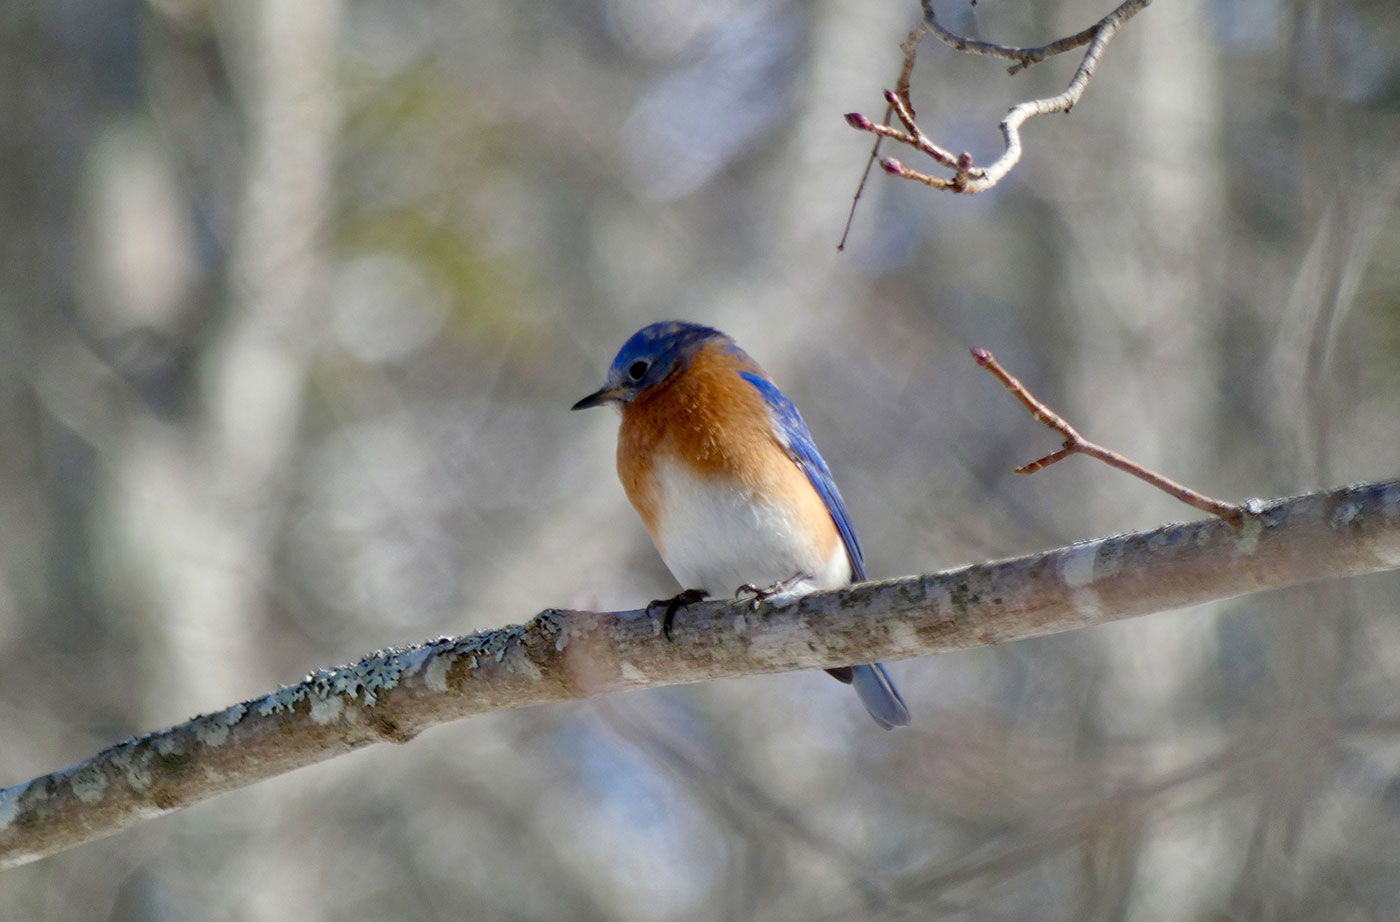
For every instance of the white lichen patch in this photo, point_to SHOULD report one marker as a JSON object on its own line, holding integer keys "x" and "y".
{"x": 435, "y": 676}
{"x": 135, "y": 766}
{"x": 167, "y": 744}
{"x": 327, "y": 710}
{"x": 631, "y": 673}
{"x": 903, "y": 634}
{"x": 1077, "y": 564}
{"x": 1247, "y": 542}
{"x": 1087, "y": 603}
{"x": 89, "y": 783}
{"x": 213, "y": 729}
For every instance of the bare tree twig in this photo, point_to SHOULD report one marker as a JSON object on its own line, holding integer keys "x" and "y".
{"x": 967, "y": 176}
{"x": 1077, "y": 444}
{"x": 1027, "y": 57}
{"x": 860, "y": 189}
{"x": 902, "y": 89}
{"x": 562, "y": 655}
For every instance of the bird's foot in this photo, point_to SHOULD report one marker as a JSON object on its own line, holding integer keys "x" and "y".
{"x": 778, "y": 588}
{"x": 675, "y": 604}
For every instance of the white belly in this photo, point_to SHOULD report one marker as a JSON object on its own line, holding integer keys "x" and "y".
{"x": 719, "y": 538}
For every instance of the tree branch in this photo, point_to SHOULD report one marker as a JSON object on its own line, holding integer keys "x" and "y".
{"x": 967, "y": 176}
{"x": 1028, "y": 57}
{"x": 1074, "y": 443}
{"x": 561, "y": 655}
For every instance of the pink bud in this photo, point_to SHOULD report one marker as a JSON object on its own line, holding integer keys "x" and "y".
{"x": 858, "y": 121}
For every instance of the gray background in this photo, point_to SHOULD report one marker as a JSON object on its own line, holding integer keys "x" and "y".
{"x": 295, "y": 299}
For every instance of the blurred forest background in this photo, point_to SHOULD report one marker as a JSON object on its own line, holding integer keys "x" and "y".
{"x": 296, "y": 296}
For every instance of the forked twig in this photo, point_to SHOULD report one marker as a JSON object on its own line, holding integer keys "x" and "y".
{"x": 1077, "y": 444}
{"x": 967, "y": 176}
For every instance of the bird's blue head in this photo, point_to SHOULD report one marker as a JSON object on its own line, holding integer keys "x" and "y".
{"x": 652, "y": 355}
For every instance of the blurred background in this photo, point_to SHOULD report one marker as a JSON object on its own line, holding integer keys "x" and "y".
{"x": 295, "y": 299}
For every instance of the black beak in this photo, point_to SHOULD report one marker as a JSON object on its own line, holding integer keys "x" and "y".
{"x": 597, "y": 399}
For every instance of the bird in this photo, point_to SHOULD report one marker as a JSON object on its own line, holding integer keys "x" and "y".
{"x": 728, "y": 482}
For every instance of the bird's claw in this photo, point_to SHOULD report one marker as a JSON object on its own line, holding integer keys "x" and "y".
{"x": 675, "y": 604}
{"x": 759, "y": 595}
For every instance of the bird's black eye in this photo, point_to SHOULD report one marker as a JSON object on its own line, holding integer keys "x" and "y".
{"x": 637, "y": 369}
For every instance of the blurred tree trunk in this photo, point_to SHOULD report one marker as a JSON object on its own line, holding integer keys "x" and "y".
{"x": 48, "y": 602}
{"x": 1142, "y": 371}
{"x": 205, "y": 507}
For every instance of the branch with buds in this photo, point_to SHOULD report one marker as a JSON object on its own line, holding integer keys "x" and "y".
{"x": 966, "y": 176}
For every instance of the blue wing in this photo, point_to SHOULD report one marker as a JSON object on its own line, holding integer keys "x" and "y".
{"x": 871, "y": 682}
{"x": 792, "y": 431}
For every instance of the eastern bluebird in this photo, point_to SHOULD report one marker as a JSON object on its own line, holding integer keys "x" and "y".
{"x": 727, "y": 480}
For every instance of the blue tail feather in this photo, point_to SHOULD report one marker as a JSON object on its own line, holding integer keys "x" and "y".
{"x": 880, "y": 697}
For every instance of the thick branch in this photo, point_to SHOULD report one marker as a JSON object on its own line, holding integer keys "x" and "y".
{"x": 561, "y": 655}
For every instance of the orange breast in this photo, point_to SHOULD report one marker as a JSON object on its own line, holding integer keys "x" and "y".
{"x": 715, "y": 425}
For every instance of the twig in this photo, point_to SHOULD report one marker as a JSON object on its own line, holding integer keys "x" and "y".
{"x": 902, "y": 89}
{"x": 1077, "y": 444}
{"x": 860, "y": 189}
{"x": 1024, "y": 57}
{"x": 967, "y": 176}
